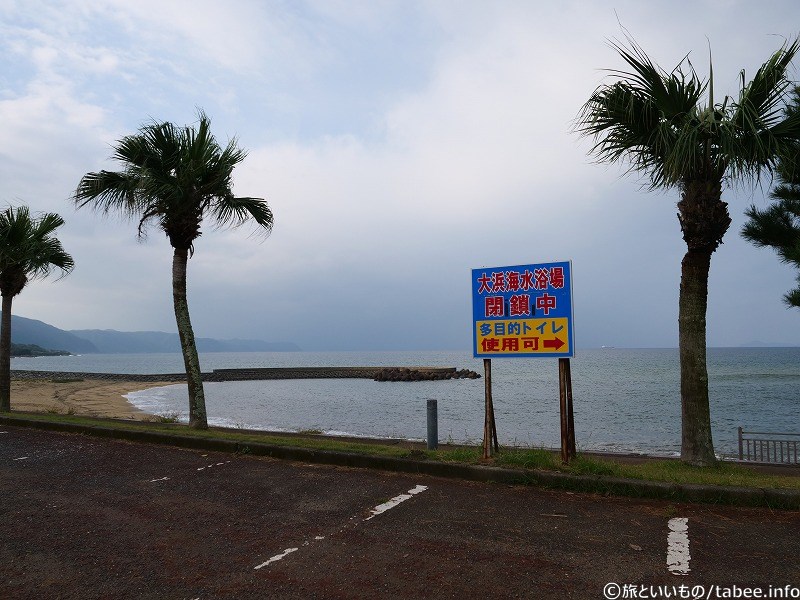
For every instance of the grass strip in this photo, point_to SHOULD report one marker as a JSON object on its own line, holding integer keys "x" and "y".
{"x": 537, "y": 459}
{"x": 168, "y": 427}
{"x": 668, "y": 471}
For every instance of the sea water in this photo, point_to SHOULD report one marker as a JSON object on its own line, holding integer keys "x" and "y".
{"x": 625, "y": 400}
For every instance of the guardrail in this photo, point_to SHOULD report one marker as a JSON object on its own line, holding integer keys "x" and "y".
{"x": 777, "y": 448}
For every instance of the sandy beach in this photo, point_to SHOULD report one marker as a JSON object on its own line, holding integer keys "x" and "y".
{"x": 89, "y": 397}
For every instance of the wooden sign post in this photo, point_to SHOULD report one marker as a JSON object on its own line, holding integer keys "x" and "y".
{"x": 490, "y": 445}
{"x": 567, "y": 420}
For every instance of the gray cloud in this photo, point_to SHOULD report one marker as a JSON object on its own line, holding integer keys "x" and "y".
{"x": 399, "y": 145}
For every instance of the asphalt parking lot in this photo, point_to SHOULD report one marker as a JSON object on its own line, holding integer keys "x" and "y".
{"x": 93, "y": 518}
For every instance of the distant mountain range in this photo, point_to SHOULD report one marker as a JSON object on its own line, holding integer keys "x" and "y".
{"x": 30, "y": 331}
{"x": 109, "y": 341}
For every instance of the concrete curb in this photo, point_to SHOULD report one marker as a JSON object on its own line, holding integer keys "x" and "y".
{"x": 773, "y": 498}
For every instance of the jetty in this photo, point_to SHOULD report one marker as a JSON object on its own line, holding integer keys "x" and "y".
{"x": 249, "y": 374}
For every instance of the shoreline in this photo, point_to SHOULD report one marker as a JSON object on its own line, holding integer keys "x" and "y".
{"x": 101, "y": 395}
{"x": 86, "y": 397}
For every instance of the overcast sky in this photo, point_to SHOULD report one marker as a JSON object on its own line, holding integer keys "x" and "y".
{"x": 399, "y": 145}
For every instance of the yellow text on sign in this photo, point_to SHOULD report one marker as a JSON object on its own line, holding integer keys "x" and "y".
{"x": 523, "y": 336}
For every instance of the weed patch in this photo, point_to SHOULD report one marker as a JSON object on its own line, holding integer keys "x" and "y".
{"x": 469, "y": 456}
{"x": 171, "y": 417}
{"x": 527, "y": 458}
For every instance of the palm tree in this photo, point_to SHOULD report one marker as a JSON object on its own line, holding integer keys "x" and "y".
{"x": 28, "y": 251}
{"x": 778, "y": 226}
{"x": 175, "y": 177}
{"x": 668, "y": 126}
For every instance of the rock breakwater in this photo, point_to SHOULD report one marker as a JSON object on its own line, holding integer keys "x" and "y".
{"x": 405, "y": 374}
{"x": 257, "y": 374}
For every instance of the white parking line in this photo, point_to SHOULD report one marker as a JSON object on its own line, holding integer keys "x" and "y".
{"x": 213, "y": 465}
{"x": 22, "y": 458}
{"x": 678, "y": 546}
{"x": 162, "y": 479}
{"x": 380, "y": 509}
{"x": 277, "y": 557}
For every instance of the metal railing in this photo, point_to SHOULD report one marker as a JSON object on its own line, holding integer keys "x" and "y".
{"x": 777, "y": 448}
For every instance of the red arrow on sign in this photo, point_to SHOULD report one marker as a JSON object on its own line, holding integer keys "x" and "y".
{"x": 554, "y": 344}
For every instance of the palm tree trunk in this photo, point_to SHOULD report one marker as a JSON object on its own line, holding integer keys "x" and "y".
{"x": 704, "y": 220}
{"x": 197, "y": 400}
{"x": 5, "y": 355}
{"x": 697, "y": 447}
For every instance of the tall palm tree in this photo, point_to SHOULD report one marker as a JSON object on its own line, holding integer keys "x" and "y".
{"x": 175, "y": 177}
{"x": 778, "y": 225}
{"x": 668, "y": 127}
{"x": 28, "y": 251}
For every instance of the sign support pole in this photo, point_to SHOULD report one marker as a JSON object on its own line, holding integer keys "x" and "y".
{"x": 570, "y": 415}
{"x": 567, "y": 420}
{"x": 490, "y": 445}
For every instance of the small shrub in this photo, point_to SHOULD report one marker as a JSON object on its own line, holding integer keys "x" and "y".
{"x": 170, "y": 417}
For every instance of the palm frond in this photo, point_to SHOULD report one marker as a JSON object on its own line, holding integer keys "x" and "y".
{"x": 28, "y": 248}
{"x": 173, "y": 177}
{"x": 760, "y": 129}
{"x": 659, "y": 123}
{"x": 645, "y": 117}
{"x": 234, "y": 212}
{"x": 675, "y": 93}
{"x": 761, "y": 101}
{"x": 109, "y": 191}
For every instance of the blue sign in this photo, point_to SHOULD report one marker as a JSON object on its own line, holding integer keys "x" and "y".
{"x": 523, "y": 311}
